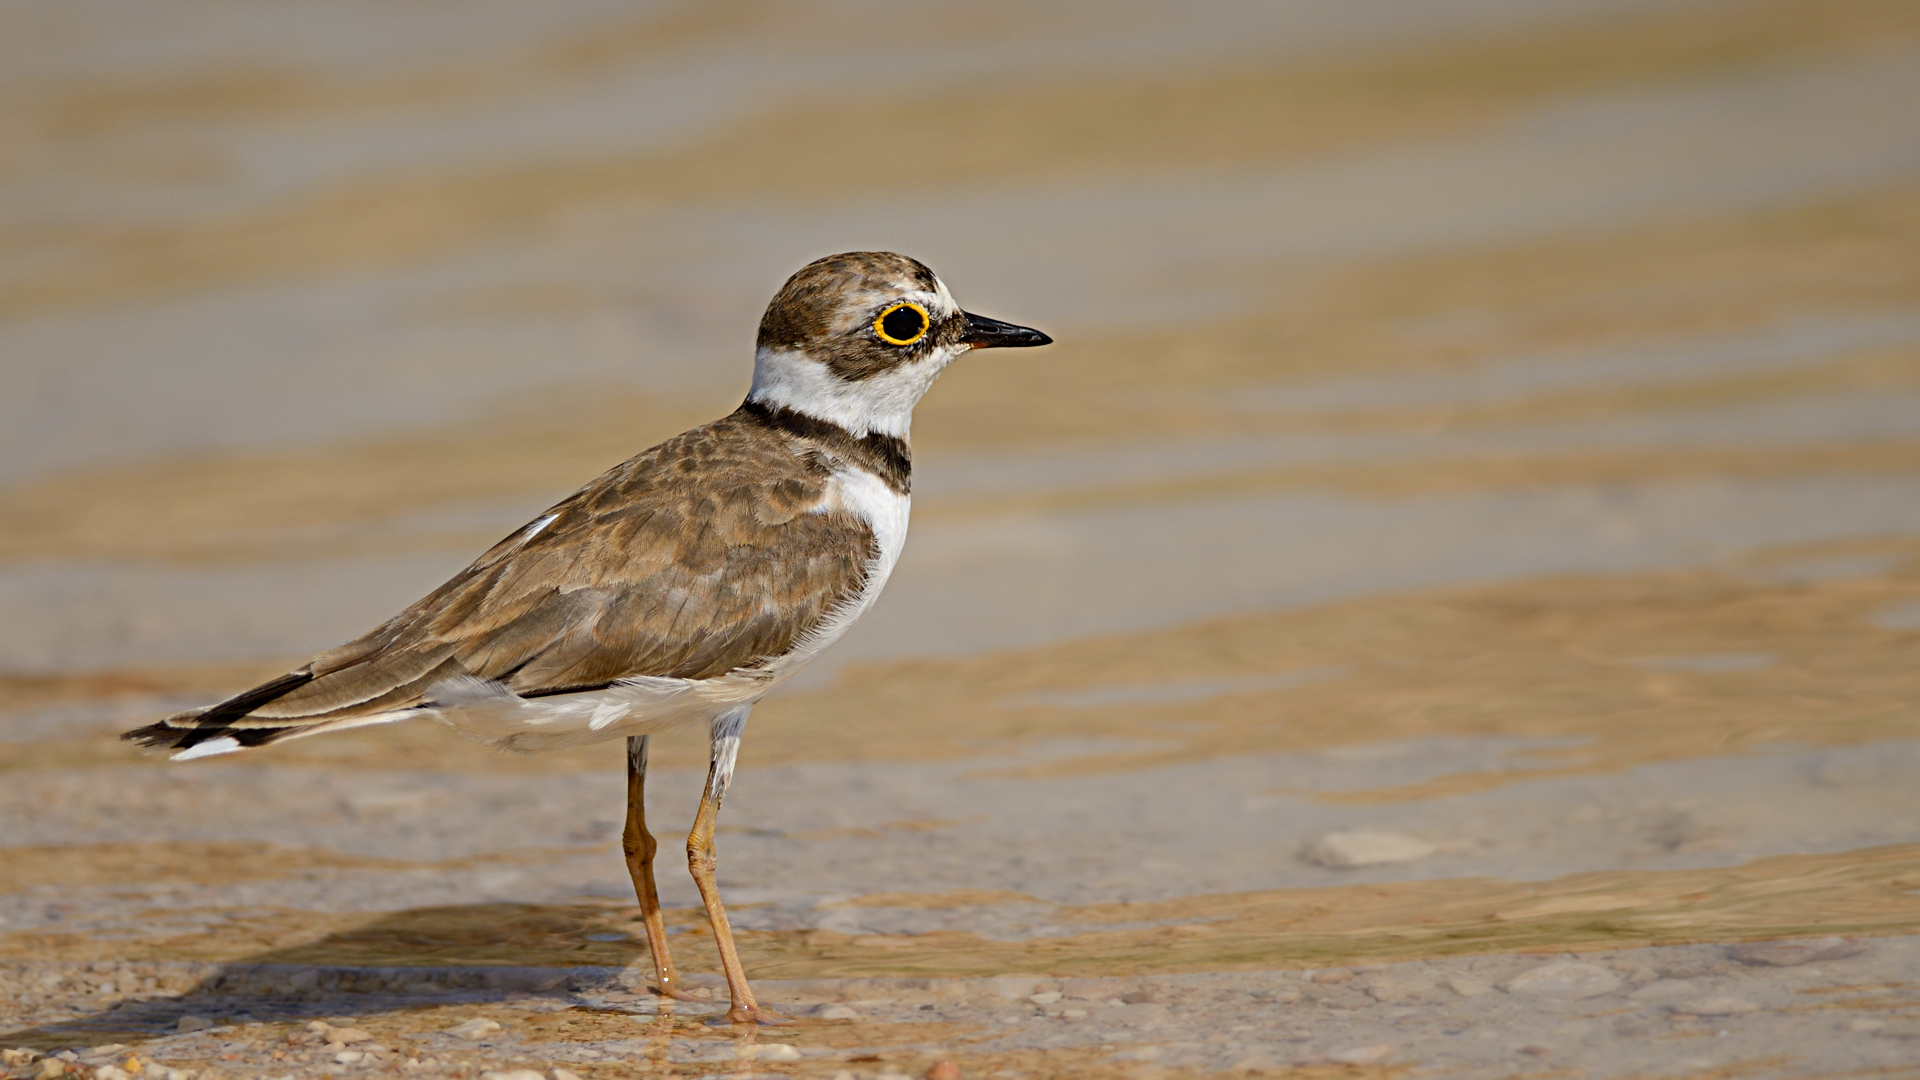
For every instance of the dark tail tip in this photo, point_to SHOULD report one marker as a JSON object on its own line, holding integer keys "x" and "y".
{"x": 204, "y": 740}
{"x": 184, "y": 731}
{"x": 158, "y": 736}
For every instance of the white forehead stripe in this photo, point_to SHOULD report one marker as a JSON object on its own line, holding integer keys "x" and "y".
{"x": 943, "y": 300}
{"x": 861, "y": 307}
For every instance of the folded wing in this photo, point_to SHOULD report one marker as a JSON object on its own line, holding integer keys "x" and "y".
{"x": 712, "y": 552}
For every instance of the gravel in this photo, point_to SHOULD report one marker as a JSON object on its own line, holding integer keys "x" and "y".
{"x": 1605, "y": 1014}
{"x": 1565, "y": 979}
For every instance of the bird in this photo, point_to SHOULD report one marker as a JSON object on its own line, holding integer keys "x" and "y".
{"x": 678, "y": 588}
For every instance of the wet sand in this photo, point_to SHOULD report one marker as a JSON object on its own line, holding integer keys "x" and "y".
{"x": 1447, "y": 604}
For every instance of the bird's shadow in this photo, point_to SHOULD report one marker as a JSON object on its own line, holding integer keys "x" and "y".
{"x": 422, "y": 958}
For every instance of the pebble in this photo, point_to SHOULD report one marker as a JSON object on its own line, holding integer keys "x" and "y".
{"x": 565, "y": 1074}
{"x": 1900, "y": 1029}
{"x": 50, "y": 1069}
{"x": 1630, "y": 1026}
{"x": 191, "y": 1022}
{"x": 1255, "y": 1062}
{"x": 1361, "y": 847}
{"x": 1794, "y": 953}
{"x": 477, "y": 1028}
{"x": 512, "y": 1074}
{"x": 1698, "y": 968}
{"x": 1388, "y": 992}
{"x": 1664, "y": 991}
{"x": 1568, "y": 980}
{"x": 1012, "y": 987}
{"x": 1360, "y": 1055}
{"x": 944, "y": 1070}
{"x": 1144, "y": 1015}
{"x": 348, "y": 1036}
{"x": 1093, "y": 989}
{"x": 1468, "y": 986}
{"x": 835, "y": 1012}
{"x": 1717, "y": 1006}
{"x": 773, "y": 1052}
{"x": 110, "y": 1072}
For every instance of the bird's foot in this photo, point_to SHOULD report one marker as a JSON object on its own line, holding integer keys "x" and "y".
{"x": 749, "y": 1014}
{"x": 677, "y": 993}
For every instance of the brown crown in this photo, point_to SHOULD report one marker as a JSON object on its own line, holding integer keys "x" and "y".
{"x": 828, "y": 296}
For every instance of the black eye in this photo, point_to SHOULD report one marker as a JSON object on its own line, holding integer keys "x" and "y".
{"x": 901, "y": 324}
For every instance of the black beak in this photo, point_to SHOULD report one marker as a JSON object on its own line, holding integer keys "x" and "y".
{"x": 985, "y": 333}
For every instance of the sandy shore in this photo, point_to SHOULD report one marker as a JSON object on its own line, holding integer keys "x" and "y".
{"x": 1446, "y": 606}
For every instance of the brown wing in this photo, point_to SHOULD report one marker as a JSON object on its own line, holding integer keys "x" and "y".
{"x": 706, "y": 554}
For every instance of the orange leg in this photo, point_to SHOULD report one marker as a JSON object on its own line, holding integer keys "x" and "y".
{"x": 702, "y": 862}
{"x": 639, "y": 846}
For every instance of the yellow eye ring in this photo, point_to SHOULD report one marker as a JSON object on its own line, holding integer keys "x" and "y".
{"x": 902, "y": 332}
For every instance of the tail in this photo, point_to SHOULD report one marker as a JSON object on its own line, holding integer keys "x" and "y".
{"x": 232, "y": 724}
{"x": 180, "y": 734}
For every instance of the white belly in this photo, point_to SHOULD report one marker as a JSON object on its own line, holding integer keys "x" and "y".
{"x": 885, "y": 511}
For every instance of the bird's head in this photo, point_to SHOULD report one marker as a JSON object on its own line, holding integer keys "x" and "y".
{"x": 856, "y": 339}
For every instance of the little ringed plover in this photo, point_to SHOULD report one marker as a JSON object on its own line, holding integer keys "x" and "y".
{"x": 680, "y": 587}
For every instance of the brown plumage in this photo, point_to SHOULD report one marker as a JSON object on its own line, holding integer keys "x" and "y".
{"x": 706, "y": 554}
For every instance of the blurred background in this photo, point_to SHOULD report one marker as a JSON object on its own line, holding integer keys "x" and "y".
{"x": 1492, "y": 425}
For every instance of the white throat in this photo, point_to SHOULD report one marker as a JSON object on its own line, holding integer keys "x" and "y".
{"x": 882, "y": 405}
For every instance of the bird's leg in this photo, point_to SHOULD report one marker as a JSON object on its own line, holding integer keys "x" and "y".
{"x": 702, "y": 861}
{"x": 638, "y": 845}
